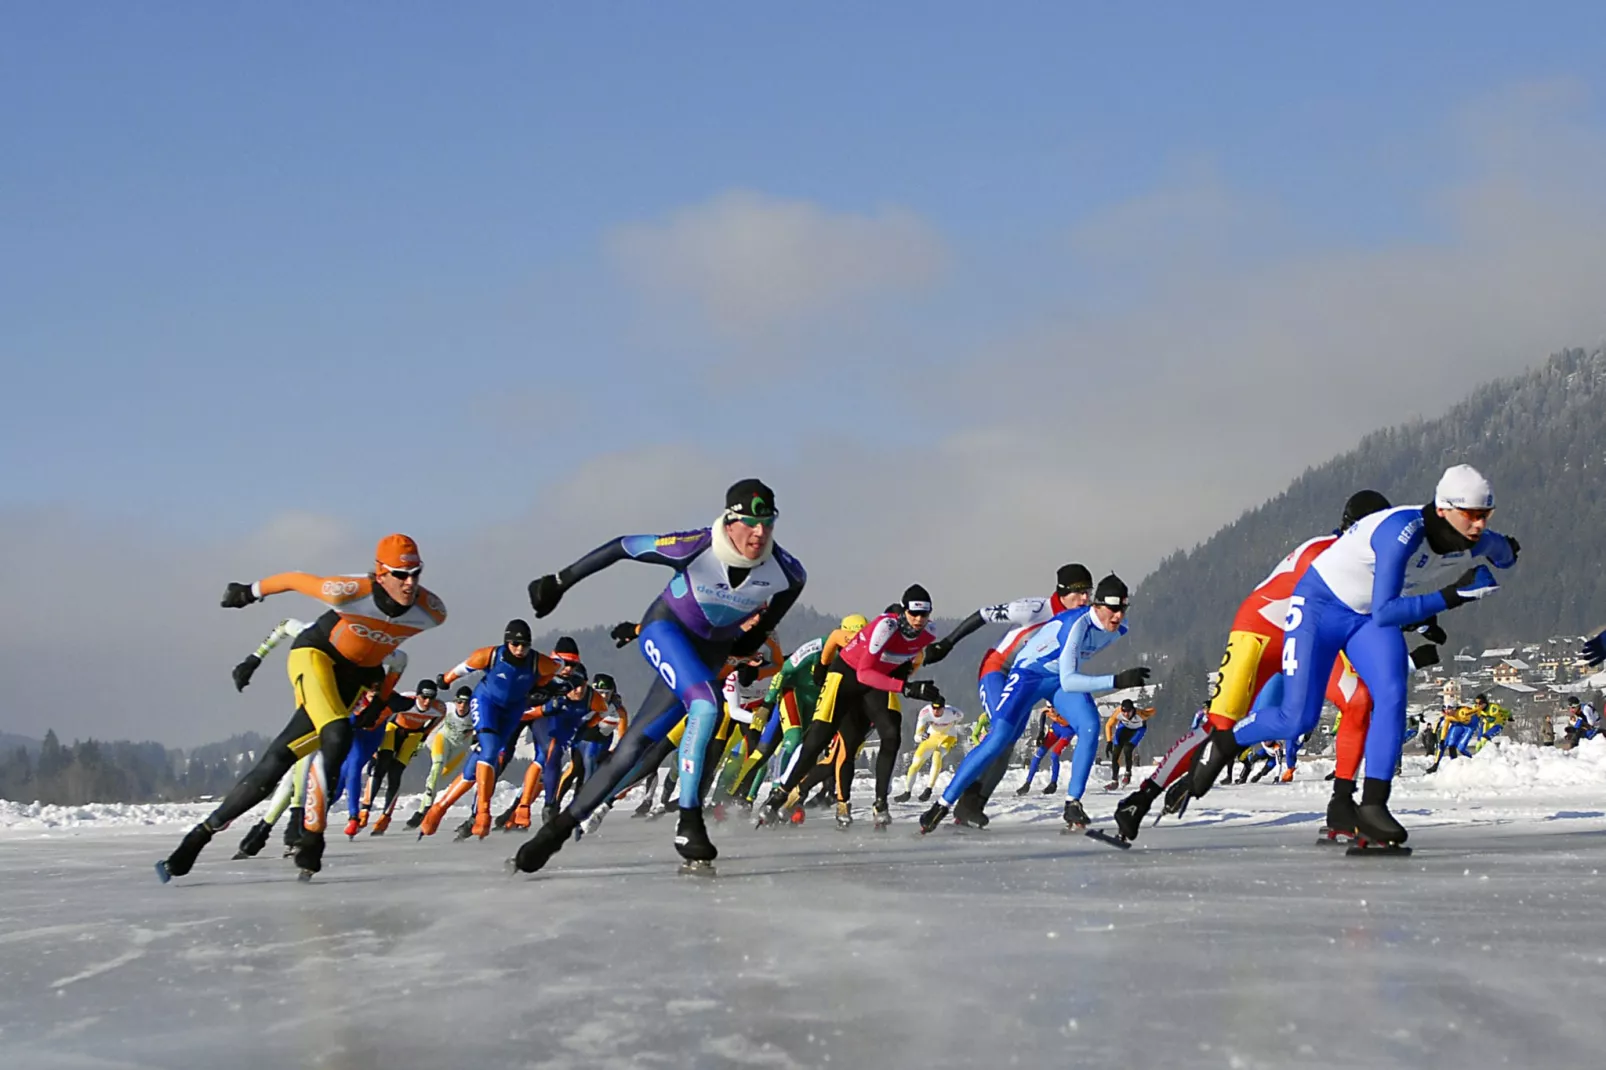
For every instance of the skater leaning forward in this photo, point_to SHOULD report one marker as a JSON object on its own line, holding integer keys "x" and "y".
{"x": 1392, "y": 570}
{"x": 1049, "y": 667}
{"x": 723, "y": 575}
{"x": 332, "y": 664}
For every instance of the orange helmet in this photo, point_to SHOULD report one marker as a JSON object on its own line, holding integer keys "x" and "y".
{"x": 398, "y": 552}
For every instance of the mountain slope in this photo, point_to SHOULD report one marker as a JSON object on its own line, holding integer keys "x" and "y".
{"x": 1540, "y": 438}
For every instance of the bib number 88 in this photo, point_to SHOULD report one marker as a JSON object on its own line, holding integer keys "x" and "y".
{"x": 656, "y": 656}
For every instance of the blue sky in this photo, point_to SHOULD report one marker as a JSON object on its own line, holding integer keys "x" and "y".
{"x": 485, "y": 255}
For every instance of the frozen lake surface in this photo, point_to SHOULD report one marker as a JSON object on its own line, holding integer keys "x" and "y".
{"x": 1229, "y": 940}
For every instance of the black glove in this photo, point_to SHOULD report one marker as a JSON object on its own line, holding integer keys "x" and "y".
{"x": 1131, "y": 678}
{"x": 1430, "y": 630}
{"x": 902, "y": 671}
{"x": 624, "y": 633}
{"x": 1516, "y": 547}
{"x": 748, "y": 643}
{"x": 441, "y": 686}
{"x": 819, "y": 674}
{"x": 238, "y": 596}
{"x": 746, "y": 674}
{"x": 937, "y": 651}
{"x": 1423, "y": 656}
{"x": 545, "y": 594}
{"x": 922, "y": 691}
{"x": 243, "y": 671}
{"x": 1467, "y": 589}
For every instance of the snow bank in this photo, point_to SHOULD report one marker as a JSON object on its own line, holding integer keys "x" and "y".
{"x": 36, "y": 816}
{"x": 1503, "y": 765}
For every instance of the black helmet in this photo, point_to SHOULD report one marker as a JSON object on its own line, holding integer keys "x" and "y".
{"x": 566, "y": 647}
{"x": 1362, "y": 503}
{"x": 426, "y": 689}
{"x": 604, "y": 683}
{"x": 916, "y": 599}
{"x": 517, "y": 631}
{"x": 1073, "y": 578}
{"x": 463, "y": 694}
{"x": 1111, "y": 593}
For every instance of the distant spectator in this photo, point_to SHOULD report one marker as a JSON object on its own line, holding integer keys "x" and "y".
{"x": 1583, "y": 721}
{"x": 1547, "y": 732}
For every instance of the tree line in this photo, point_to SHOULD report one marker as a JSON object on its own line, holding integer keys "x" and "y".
{"x": 93, "y": 770}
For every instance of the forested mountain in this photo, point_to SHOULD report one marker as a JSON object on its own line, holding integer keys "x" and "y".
{"x": 1540, "y": 438}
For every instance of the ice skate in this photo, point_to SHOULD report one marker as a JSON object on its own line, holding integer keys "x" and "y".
{"x": 692, "y": 843}
{"x": 1376, "y": 831}
{"x": 844, "y": 815}
{"x": 254, "y": 840}
{"x": 1129, "y": 814}
{"x": 933, "y": 817}
{"x": 182, "y": 860}
{"x": 538, "y": 850}
{"x": 594, "y": 822}
{"x": 1177, "y": 796}
{"x": 293, "y": 820}
{"x": 968, "y": 811}
{"x": 309, "y": 855}
{"x": 1076, "y": 819}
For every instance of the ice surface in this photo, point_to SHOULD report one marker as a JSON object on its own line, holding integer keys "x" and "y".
{"x": 1227, "y": 940}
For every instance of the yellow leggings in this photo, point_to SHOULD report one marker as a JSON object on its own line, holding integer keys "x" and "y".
{"x": 932, "y": 748}
{"x": 318, "y": 693}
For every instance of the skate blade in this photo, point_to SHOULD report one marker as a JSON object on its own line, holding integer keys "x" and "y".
{"x": 1328, "y": 838}
{"x": 697, "y": 869}
{"x": 161, "y": 872}
{"x": 1072, "y": 830}
{"x": 1105, "y": 837}
{"x": 1363, "y": 847}
{"x": 242, "y": 854}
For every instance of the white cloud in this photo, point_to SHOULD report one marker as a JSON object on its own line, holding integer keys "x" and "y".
{"x": 750, "y": 263}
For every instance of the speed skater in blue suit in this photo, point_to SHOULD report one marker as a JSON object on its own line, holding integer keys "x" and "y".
{"x": 731, "y": 585}
{"x": 1049, "y": 666}
{"x": 1389, "y": 571}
